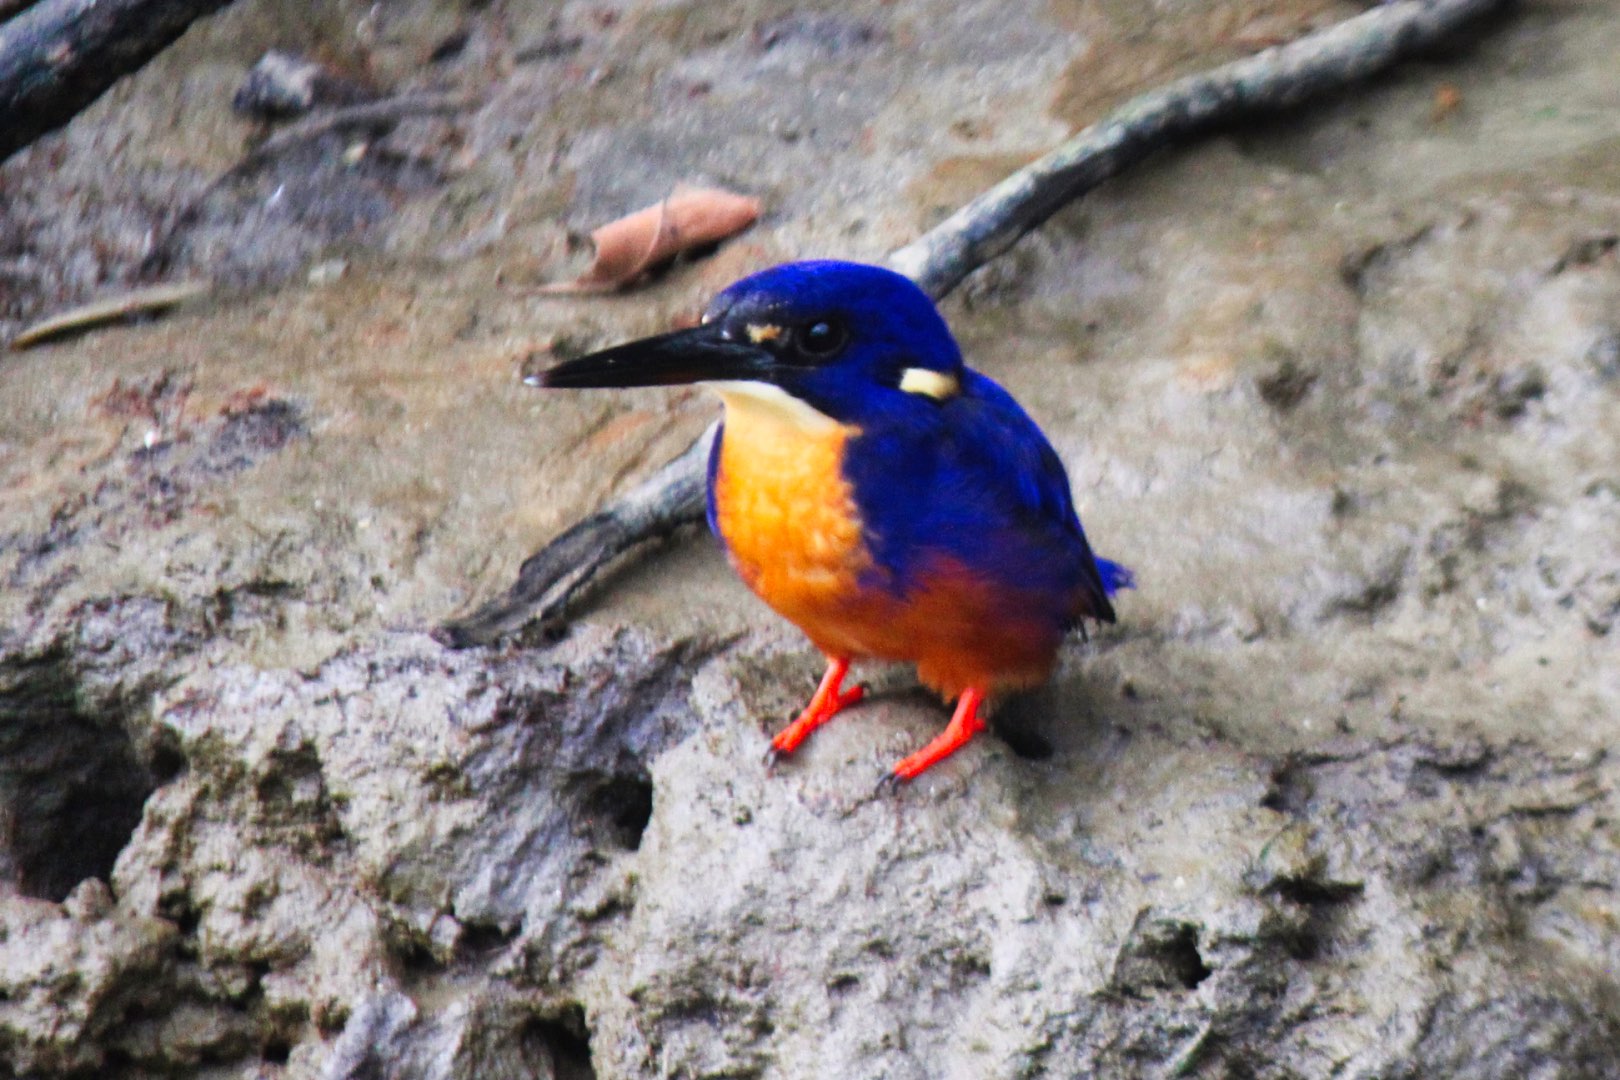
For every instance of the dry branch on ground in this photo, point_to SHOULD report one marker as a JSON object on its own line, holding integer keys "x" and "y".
{"x": 58, "y": 56}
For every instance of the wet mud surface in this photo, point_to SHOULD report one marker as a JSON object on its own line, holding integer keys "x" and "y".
{"x": 1335, "y": 797}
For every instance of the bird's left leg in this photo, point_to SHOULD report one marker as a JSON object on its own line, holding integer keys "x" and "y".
{"x": 829, "y": 699}
{"x": 965, "y": 723}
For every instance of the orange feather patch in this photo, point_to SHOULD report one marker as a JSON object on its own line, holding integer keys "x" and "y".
{"x": 785, "y": 509}
{"x": 794, "y": 533}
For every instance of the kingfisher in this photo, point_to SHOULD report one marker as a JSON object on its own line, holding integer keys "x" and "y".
{"x": 890, "y": 501}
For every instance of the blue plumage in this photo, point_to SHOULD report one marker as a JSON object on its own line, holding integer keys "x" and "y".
{"x": 973, "y": 478}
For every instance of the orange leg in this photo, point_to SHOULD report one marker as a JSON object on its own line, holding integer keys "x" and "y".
{"x": 829, "y": 699}
{"x": 965, "y": 724}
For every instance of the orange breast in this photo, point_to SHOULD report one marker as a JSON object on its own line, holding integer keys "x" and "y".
{"x": 793, "y": 530}
{"x": 786, "y": 512}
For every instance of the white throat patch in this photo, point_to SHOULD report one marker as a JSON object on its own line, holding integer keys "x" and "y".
{"x": 762, "y": 400}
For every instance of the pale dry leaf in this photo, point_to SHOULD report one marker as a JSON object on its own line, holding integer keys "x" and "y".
{"x": 629, "y": 247}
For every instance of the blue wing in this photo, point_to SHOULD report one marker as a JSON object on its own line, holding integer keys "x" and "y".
{"x": 976, "y": 480}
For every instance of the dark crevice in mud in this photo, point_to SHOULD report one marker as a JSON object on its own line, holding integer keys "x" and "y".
{"x": 1182, "y": 959}
{"x": 565, "y": 1041}
{"x": 617, "y": 808}
{"x": 1585, "y": 251}
{"x": 480, "y": 939}
{"x": 276, "y": 1051}
{"x": 1310, "y": 892}
{"x": 1286, "y": 385}
{"x": 476, "y": 942}
{"x": 1288, "y": 791}
{"x": 842, "y": 984}
{"x": 416, "y": 957}
{"x": 179, "y": 909}
{"x": 1022, "y": 739}
{"x": 165, "y": 760}
{"x": 1312, "y": 913}
{"x": 294, "y": 806}
{"x": 1373, "y": 597}
{"x": 1465, "y": 760}
{"x": 1159, "y": 954}
{"x": 72, "y": 781}
{"x": 1356, "y": 270}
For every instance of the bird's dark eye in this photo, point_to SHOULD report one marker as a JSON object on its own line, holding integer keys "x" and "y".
{"x": 820, "y": 339}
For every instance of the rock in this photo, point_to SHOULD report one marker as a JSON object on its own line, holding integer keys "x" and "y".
{"x": 69, "y": 981}
{"x": 283, "y": 85}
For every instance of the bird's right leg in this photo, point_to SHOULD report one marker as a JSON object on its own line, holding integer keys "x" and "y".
{"x": 829, "y": 699}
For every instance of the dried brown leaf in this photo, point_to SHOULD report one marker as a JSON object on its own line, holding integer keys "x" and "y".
{"x": 629, "y": 247}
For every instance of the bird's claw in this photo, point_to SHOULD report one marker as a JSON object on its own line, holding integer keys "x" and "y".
{"x": 772, "y": 756}
{"x": 889, "y": 784}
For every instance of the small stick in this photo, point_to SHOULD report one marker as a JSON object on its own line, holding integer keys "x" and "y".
{"x": 380, "y": 113}
{"x": 1276, "y": 78}
{"x": 109, "y": 309}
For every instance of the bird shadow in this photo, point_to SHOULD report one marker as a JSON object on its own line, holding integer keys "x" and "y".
{"x": 1060, "y": 718}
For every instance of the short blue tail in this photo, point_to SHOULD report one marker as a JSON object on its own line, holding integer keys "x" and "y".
{"x": 1114, "y": 576}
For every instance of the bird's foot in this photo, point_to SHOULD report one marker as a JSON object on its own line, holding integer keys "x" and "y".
{"x": 788, "y": 739}
{"x": 830, "y": 699}
{"x": 965, "y": 723}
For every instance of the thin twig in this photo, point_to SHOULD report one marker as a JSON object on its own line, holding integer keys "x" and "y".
{"x": 1277, "y": 78}
{"x": 58, "y": 56}
{"x": 376, "y": 115}
{"x": 144, "y": 301}
{"x": 372, "y": 114}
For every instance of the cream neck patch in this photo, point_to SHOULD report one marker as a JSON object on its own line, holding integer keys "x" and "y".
{"x": 762, "y": 401}
{"x": 930, "y": 383}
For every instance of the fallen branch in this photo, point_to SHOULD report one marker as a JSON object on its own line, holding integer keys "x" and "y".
{"x": 1277, "y": 78}
{"x": 58, "y": 56}
{"x": 666, "y": 500}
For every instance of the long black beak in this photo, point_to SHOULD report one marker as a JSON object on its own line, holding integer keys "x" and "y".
{"x": 700, "y": 354}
